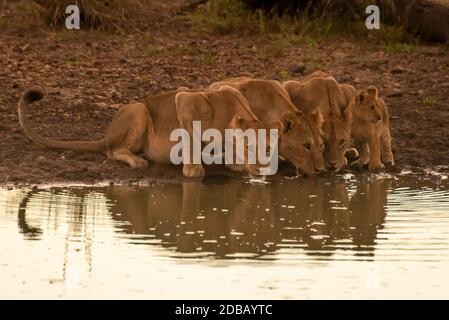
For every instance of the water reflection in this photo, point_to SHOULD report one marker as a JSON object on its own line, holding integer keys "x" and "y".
{"x": 368, "y": 211}
{"x": 31, "y": 233}
{"x": 234, "y": 218}
{"x": 230, "y": 219}
{"x": 387, "y": 229}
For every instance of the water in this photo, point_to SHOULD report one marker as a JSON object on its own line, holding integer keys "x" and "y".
{"x": 345, "y": 237}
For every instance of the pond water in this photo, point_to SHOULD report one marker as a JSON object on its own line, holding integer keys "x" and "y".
{"x": 369, "y": 236}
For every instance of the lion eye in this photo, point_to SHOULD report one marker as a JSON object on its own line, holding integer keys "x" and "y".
{"x": 372, "y": 107}
{"x": 307, "y": 147}
{"x": 341, "y": 142}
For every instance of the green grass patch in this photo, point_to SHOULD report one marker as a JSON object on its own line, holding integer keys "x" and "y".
{"x": 399, "y": 47}
{"x": 284, "y": 75}
{"x": 77, "y": 59}
{"x": 428, "y": 101}
{"x": 232, "y": 16}
{"x": 3, "y": 23}
{"x": 310, "y": 25}
{"x": 146, "y": 77}
{"x": 223, "y": 17}
{"x": 207, "y": 57}
{"x": 186, "y": 49}
{"x": 313, "y": 63}
{"x": 274, "y": 48}
{"x": 154, "y": 51}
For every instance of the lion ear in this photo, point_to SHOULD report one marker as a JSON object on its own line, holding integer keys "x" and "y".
{"x": 241, "y": 123}
{"x": 237, "y": 122}
{"x": 361, "y": 96}
{"x": 288, "y": 120}
{"x": 372, "y": 91}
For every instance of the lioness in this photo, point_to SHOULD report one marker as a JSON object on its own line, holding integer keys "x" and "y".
{"x": 371, "y": 130}
{"x": 335, "y": 102}
{"x": 194, "y": 106}
{"x": 144, "y": 127}
{"x": 300, "y": 140}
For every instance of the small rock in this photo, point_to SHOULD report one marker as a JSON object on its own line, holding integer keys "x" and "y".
{"x": 300, "y": 68}
{"x": 52, "y": 90}
{"x": 102, "y": 105}
{"x": 421, "y": 92}
{"x": 393, "y": 92}
{"x": 338, "y": 55}
{"x": 114, "y": 94}
{"x": 346, "y": 77}
{"x": 397, "y": 69}
{"x": 378, "y": 55}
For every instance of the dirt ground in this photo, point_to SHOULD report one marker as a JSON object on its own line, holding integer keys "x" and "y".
{"x": 88, "y": 75}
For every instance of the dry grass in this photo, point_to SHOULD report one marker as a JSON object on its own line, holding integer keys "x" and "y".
{"x": 20, "y": 16}
{"x": 103, "y": 15}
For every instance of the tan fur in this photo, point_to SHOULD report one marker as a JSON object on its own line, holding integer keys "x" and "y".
{"x": 144, "y": 127}
{"x": 219, "y": 109}
{"x": 371, "y": 130}
{"x": 335, "y": 102}
{"x": 300, "y": 138}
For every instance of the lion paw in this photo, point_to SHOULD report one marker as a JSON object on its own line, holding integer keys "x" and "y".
{"x": 139, "y": 163}
{"x": 376, "y": 166}
{"x": 358, "y": 164}
{"x": 389, "y": 163}
{"x": 193, "y": 171}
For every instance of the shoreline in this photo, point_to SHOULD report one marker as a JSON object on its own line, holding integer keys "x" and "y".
{"x": 222, "y": 175}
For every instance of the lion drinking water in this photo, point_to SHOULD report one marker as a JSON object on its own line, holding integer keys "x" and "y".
{"x": 144, "y": 127}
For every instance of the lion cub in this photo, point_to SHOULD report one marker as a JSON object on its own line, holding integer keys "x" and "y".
{"x": 320, "y": 91}
{"x": 371, "y": 130}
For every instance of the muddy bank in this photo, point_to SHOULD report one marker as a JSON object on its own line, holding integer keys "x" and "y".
{"x": 88, "y": 75}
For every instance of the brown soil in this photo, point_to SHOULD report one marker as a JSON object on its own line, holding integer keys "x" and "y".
{"x": 88, "y": 76}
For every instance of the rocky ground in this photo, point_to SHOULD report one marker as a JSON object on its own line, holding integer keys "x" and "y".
{"x": 88, "y": 75}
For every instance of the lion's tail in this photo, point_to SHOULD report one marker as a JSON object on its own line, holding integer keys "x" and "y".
{"x": 34, "y": 94}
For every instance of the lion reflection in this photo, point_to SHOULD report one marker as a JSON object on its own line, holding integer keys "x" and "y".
{"x": 229, "y": 219}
